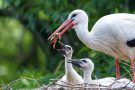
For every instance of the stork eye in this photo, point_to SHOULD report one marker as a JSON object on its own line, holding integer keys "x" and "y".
{"x": 74, "y": 15}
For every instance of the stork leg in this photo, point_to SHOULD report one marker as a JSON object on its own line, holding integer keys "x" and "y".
{"x": 117, "y": 68}
{"x": 133, "y": 68}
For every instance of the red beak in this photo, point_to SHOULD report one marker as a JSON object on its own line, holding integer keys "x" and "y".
{"x": 65, "y": 26}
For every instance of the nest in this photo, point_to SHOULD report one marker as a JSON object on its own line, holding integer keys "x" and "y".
{"x": 53, "y": 85}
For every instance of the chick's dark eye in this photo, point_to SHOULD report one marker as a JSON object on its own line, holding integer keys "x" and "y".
{"x": 84, "y": 60}
{"x": 74, "y": 15}
{"x": 69, "y": 48}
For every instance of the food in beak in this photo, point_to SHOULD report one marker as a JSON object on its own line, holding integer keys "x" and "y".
{"x": 59, "y": 32}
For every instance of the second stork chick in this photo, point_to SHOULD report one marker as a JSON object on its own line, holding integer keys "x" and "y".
{"x": 88, "y": 66}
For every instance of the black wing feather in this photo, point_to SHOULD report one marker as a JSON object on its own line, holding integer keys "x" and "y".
{"x": 131, "y": 43}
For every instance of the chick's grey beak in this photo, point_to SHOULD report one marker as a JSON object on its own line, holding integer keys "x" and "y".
{"x": 75, "y": 62}
{"x": 63, "y": 48}
{"x": 61, "y": 45}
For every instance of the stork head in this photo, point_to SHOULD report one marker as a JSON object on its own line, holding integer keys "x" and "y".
{"x": 66, "y": 50}
{"x": 75, "y": 18}
{"x": 84, "y": 64}
{"x": 78, "y": 17}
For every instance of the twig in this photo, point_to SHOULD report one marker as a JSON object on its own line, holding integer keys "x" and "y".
{"x": 127, "y": 71}
{"x": 124, "y": 63}
{"x": 8, "y": 85}
{"x": 80, "y": 86}
{"x": 54, "y": 81}
{"x": 35, "y": 81}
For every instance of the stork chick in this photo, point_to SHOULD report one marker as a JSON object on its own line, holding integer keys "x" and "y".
{"x": 88, "y": 66}
{"x": 71, "y": 76}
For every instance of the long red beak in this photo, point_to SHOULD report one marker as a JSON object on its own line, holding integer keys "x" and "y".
{"x": 65, "y": 26}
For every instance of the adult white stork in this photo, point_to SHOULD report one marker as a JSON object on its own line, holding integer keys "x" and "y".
{"x": 87, "y": 66}
{"x": 71, "y": 76}
{"x": 112, "y": 34}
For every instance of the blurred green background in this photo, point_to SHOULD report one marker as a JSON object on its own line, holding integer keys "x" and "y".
{"x": 25, "y": 26}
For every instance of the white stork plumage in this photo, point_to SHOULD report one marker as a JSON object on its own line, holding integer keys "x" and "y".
{"x": 112, "y": 34}
{"x": 87, "y": 66}
{"x": 71, "y": 76}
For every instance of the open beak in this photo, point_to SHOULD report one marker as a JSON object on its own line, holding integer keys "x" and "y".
{"x": 60, "y": 31}
{"x": 63, "y": 48}
{"x": 76, "y": 62}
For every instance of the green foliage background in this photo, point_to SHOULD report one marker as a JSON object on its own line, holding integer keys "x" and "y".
{"x": 25, "y": 26}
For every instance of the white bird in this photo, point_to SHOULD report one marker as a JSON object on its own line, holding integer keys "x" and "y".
{"x": 88, "y": 66}
{"x": 71, "y": 76}
{"x": 112, "y": 34}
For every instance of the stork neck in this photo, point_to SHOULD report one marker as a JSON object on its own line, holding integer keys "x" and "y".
{"x": 87, "y": 76}
{"x": 68, "y": 67}
{"x": 84, "y": 35}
